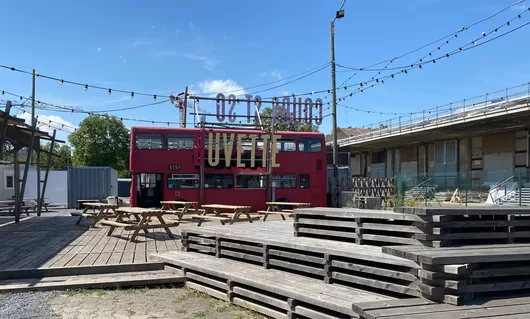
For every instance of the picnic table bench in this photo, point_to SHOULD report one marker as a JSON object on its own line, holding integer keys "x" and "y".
{"x": 275, "y": 208}
{"x": 11, "y": 208}
{"x": 170, "y": 207}
{"x": 141, "y": 220}
{"x": 221, "y": 213}
{"x": 99, "y": 211}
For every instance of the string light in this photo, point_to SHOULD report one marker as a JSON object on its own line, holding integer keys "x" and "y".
{"x": 86, "y": 87}
{"x": 110, "y": 91}
{"x": 132, "y": 95}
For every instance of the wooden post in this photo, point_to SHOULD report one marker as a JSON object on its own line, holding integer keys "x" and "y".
{"x": 38, "y": 181}
{"x": 49, "y": 163}
{"x": 28, "y": 158}
{"x": 16, "y": 182}
{"x": 4, "y": 126}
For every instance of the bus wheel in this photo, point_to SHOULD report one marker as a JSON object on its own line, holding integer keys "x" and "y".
{"x": 283, "y": 199}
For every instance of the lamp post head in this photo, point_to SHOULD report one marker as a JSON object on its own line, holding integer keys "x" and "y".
{"x": 340, "y": 14}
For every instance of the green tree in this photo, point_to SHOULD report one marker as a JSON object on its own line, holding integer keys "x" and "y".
{"x": 62, "y": 158}
{"x": 280, "y": 126}
{"x": 101, "y": 141}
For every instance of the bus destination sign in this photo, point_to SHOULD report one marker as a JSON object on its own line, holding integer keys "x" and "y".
{"x": 226, "y": 141}
{"x": 290, "y": 109}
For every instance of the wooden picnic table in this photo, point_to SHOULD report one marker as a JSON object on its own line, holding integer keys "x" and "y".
{"x": 170, "y": 207}
{"x": 220, "y": 212}
{"x": 141, "y": 220}
{"x": 275, "y": 208}
{"x": 99, "y": 211}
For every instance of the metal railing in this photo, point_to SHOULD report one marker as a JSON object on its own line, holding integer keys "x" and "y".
{"x": 510, "y": 100}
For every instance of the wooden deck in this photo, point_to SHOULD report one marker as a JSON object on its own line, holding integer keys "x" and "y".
{"x": 50, "y": 242}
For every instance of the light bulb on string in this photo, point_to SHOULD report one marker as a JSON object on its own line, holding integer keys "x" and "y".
{"x": 110, "y": 91}
{"x": 61, "y": 82}
{"x": 132, "y": 95}
{"x": 86, "y": 87}
{"x": 154, "y": 97}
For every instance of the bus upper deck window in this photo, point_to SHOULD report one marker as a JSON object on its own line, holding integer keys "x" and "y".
{"x": 180, "y": 142}
{"x": 307, "y": 144}
{"x": 149, "y": 141}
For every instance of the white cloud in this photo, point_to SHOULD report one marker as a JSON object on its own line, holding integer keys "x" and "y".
{"x": 100, "y": 49}
{"x": 191, "y": 25}
{"x": 274, "y": 73}
{"x": 213, "y": 87}
{"x": 47, "y": 123}
{"x": 520, "y": 7}
{"x": 227, "y": 37}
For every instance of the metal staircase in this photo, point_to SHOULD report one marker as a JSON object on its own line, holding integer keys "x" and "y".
{"x": 519, "y": 197}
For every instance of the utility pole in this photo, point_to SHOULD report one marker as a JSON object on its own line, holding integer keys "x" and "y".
{"x": 184, "y": 116}
{"x": 335, "y": 193}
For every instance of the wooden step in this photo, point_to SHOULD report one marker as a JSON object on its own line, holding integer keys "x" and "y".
{"x": 272, "y": 292}
{"x": 108, "y": 280}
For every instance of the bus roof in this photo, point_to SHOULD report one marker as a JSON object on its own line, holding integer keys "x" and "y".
{"x": 153, "y": 129}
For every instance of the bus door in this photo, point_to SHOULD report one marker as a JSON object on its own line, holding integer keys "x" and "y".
{"x": 149, "y": 189}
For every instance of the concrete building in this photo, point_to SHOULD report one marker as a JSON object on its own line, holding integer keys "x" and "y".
{"x": 487, "y": 140}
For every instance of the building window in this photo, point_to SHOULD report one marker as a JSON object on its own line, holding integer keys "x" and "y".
{"x": 286, "y": 145}
{"x": 10, "y": 182}
{"x": 309, "y": 145}
{"x": 254, "y": 181}
{"x": 285, "y": 180}
{"x": 304, "y": 181}
{"x": 149, "y": 141}
{"x": 378, "y": 157}
{"x": 218, "y": 181}
{"x": 180, "y": 142}
{"x": 183, "y": 181}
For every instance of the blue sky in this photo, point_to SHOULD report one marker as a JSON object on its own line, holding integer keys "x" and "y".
{"x": 161, "y": 46}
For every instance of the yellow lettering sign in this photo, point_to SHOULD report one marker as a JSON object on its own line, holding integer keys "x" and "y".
{"x": 274, "y": 150}
{"x": 214, "y": 149}
{"x": 213, "y": 160}
{"x": 228, "y": 144}
{"x": 252, "y": 150}
{"x": 239, "y": 150}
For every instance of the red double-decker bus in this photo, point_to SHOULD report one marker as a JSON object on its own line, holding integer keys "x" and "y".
{"x": 170, "y": 163}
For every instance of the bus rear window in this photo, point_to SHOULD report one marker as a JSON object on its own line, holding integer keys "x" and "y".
{"x": 180, "y": 142}
{"x": 251, "y": 181}
{"x": 183, "y": 181}
{"x": 218, "y": 181}
{"x": 285, "y": 180}
{"x": 309, "y": 145}
{"x": 149, "y": 141}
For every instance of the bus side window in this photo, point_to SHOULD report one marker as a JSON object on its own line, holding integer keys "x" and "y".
{"x": 180, "y": 142}
{"x": 183, "y": 181}
{"x": 304, "y": 181}
{"x": 309, "y": 145}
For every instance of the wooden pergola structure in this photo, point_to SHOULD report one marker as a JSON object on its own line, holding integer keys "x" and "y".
{"x": 22, "y": 135}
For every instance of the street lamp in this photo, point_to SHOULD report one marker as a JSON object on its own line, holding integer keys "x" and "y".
{"x": 335, "y": 194}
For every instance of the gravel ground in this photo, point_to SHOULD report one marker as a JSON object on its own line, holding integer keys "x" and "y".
{"x": 146, "y": 303}
{"x": 26, "y": 305}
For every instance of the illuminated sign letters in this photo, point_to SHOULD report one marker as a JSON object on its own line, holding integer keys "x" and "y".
{"x": 215, "y": 140}
{"x": 290, "y": 109}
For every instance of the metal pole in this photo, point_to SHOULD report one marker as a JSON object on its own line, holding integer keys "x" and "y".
{"x": 334, "y": 197}
{"x": 185, "y": 107}
{"x": 31, "y": 145}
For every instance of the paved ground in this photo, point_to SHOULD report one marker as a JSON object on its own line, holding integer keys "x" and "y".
{"x": 179, "y": 303}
